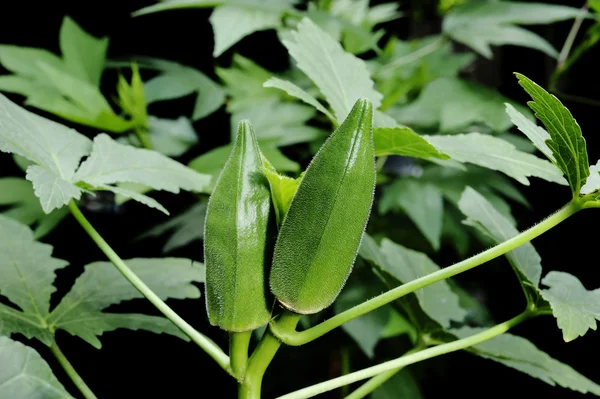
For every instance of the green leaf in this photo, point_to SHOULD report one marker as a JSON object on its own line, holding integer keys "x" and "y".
{"x": 398, "y": 325}
{"x": 520, "y": 354}
{"x": 481, "y": 24}
{"x": 283, "y": 189}
{"x": 535, "y": 133}
{"x": 27, "y": 272}
{"x": 367, "y": 329}
{"x": 295, "y": 91}
{"x": 593, "y": 181}
{"x": 401, "y": 385}
{"x": 111, "y": 162}
{"x": 289, "y": 127}
{"x": 131, "y": 98}
{"x": 80, "y": 312}
{"x": 179, "y": 4}
{"x": 438, "y": 301}
{"x": 231, "y": 23}
{"x": 575, "y": 308}
{"x": 525, "y": 260}
{"x": 404, "y": 141}
{"x": 25, "y": 374}
{"x": 55, "y": 149}
{"x": 172, "y": 137}
{"x": 423, "y": 204}
{"x": 25, "y": 62}
{"x": 567, "y": 143}
{"x": 183, "y": 228}
{"x": 496, "y": 154}
{"x": 83, "y": 54}
{"x": 341, "y": 77}
{"x": 452, "y": 105}
{"x": 179, "y": 80}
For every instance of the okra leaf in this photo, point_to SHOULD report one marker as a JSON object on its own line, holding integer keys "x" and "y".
{"x": 437, "y": 301}
{"x": 340, "y": 76}
{"x": 27, "y": 271}
{"x": 404, "y": 141}
{"x": 366, "y": 330}
{"x": 25, "y": 374}
{"x": 497, "y": 154}
{"x": 479, "y": 25}
{"x": 520, "y": 354}
{"x": 283, "y": 189}
{"x": 80, "y": 312}
{"x": 295, "y": 91}
{"x": 233, "y": 22}
{"x": 172, "y": 137}
{"x": 452, "y": 105}
{"x": 111, "y": 162}
{"x": 575, "y": 308}
{"x": 525, "y": 260}
{"x": 166, "y": 5}
{"x": 567, "y": 143}
{"x": 401, "y": 385}
{"x": 83, "y": 54}
{"x": 55, "y": 149}
{"x": 178, "y": 81}
{"x": 422, "y": 202}
{"x": 183, "y": 228}
{"x": 593, "y": 181}
{"x": 24, "y": 62}
{"x": 535, "y": 133}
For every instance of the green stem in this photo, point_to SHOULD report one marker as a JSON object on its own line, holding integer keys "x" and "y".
{"x": 378, "y": 380}
{"x": 202, "y": 341}
{"x": 412, "y": 57}
{"x": 296, "y": 338}
{"x": 71, "y": 372}
{"x": 408, "y": 359}
{"x": 142, "y": 135}
{"x": 345, "y": 367}
{"x": 238, "y": 352}
{"x": 262, "y": 357}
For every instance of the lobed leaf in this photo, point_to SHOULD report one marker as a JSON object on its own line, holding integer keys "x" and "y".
{"x": 295, "y": 91}
{"x": 404, "y": 141}
{"x": 535, "y": 133}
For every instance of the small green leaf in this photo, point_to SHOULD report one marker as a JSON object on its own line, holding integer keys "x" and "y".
{"x": 283, "y": 189}
{"x": 319, "y": 238}
{"x": 25, "y": 374}
{"x": 497, "y": 154}
{"x": 525, "y": 260}
{"x": 567, "y": 143}
{"x": 438, "y": 301}
{"x": 55, "y": 149}
{"x": 575, "y": 308}
{"x": 295, "y": 91}
{"x": 83, "y": 54}
{"x": 401, "y": 385}
{"x": 481, "y": 24}
{"x": 453, "y": 105}
{"x": 398, "y": 325}
{"x": 520, "y": 354}
{"x": 111, "y": 162}
{"x": 404, "y": 141}
{"x": 423, "y": 204}
{"x": 80, "y": 312}
{"x": 132, "y": 99}
{"x": 341, "y": 77}
{"x": 27, "y": 272}
{"x": 535, "y": 133}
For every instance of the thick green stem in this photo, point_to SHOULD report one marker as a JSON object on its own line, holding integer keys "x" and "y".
{"x": 202, "y": 341}
{"x": 296, "y": 338}
{"x": 408, "y": 359}
{"x": 238, "y": 352}
{"x": 71, "y": 372}
{"x": 262, "y": 357}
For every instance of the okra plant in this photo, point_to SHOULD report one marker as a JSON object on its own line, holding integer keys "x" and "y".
{"x": 290, "y": 255}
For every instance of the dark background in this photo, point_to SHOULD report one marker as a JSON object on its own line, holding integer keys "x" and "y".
{"x": 141, "y": 364}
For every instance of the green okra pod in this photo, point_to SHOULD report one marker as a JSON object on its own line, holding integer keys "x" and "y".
{"x": 236, "y": 243}
{"x": 321, "y": 233}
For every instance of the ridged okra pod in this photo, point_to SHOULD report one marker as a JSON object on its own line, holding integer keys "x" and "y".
{"x": 321, "y": 233}
{"x": 236, "y": 243}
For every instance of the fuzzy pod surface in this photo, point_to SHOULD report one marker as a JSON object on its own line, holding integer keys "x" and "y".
{"x": 321, "y": 233}
{"x": 236, "y": 244}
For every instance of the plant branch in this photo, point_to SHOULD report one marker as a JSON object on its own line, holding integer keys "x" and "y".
{"x": 71, "y": 372}
{"x": 201, "y": 340}
{"x": 142, "y": 134}
{"x": 296, "y": 338}
{"x": 409, "y": 359}
{"x": 238, "y": 352}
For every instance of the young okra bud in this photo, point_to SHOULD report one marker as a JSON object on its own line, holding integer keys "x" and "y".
{"x": 320, "y": 235}
{"x": 235, "y": 239}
